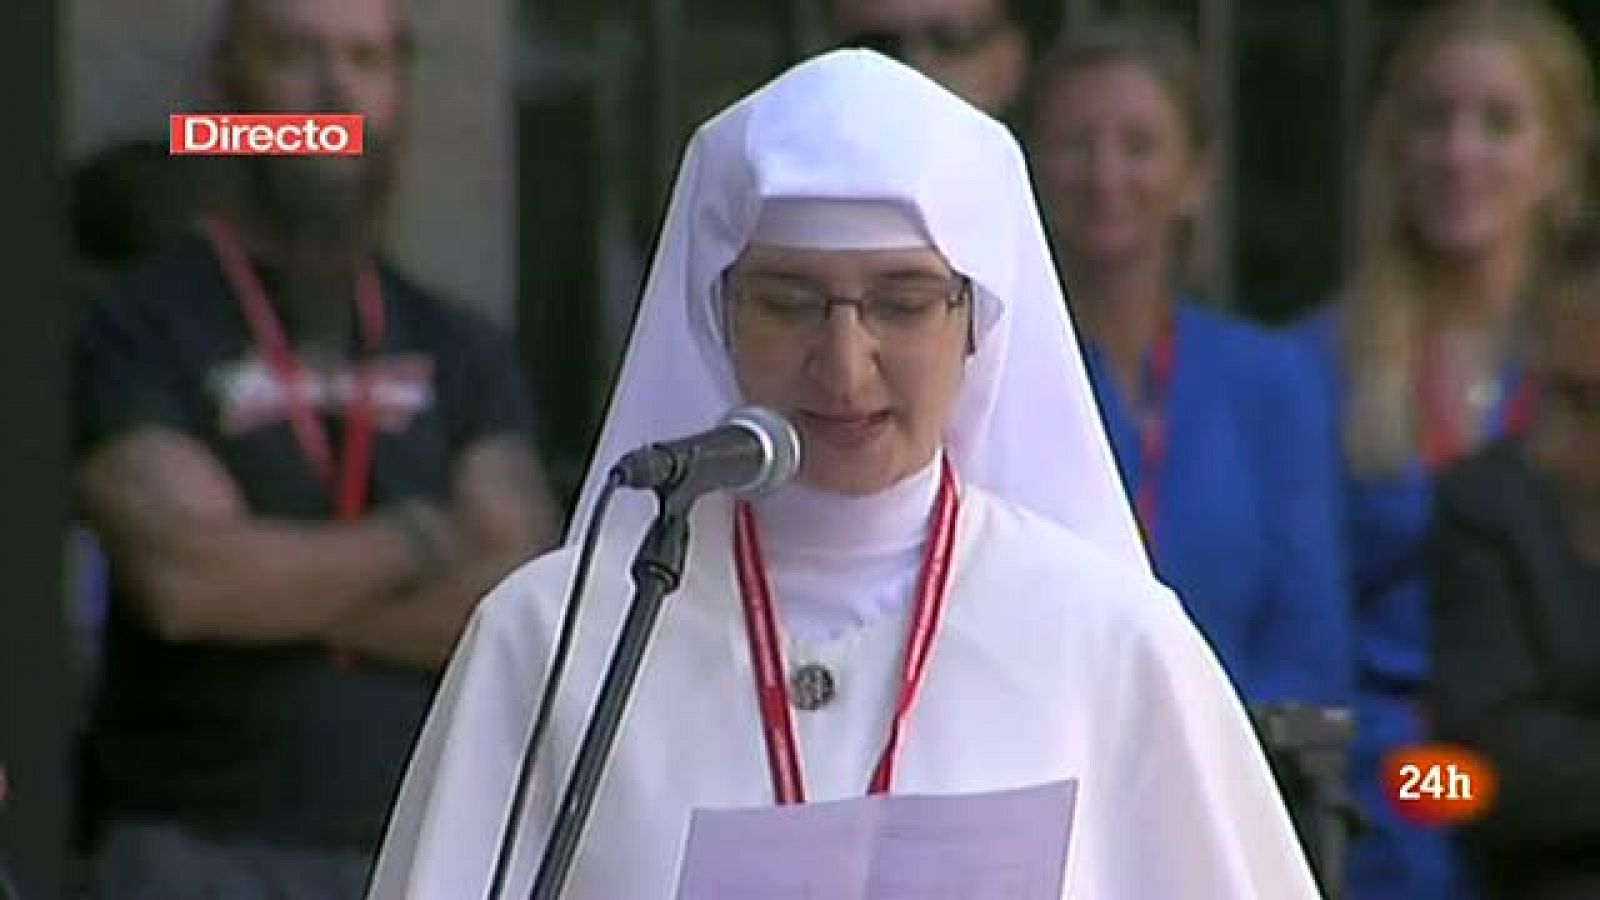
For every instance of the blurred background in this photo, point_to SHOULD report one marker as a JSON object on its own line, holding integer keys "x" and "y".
{"x": 548, "y": 134}
{"x": 545, "y": 139}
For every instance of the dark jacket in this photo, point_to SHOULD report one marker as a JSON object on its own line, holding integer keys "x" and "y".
{"x": 1516, "y": 616}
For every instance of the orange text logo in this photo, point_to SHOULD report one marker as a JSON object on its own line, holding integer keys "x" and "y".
{"x": 1439, "y": 784}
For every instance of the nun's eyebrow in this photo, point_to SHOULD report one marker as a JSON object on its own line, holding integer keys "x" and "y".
{"x": 774, "y": 274}
{"x": 778, "y": 278}
{"x": 911, "y": 273}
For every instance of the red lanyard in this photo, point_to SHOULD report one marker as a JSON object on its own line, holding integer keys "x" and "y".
{"x": 1153, "y": 437}
{"x": 347, "y": 487}
{"x": 783, "y": 749}
{"x": 1444, "y": 440}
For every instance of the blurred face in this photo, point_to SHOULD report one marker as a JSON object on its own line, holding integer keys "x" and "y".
{"x": 305, "y": 56}
{"x": 1475, "y": 158}
{"x": 315, "y": 56}
{"x": 1117, "y": 169}
{"x": 862, "y": 350}
{"x": 1570, "y": 414}
{"x": 969, "y": 46}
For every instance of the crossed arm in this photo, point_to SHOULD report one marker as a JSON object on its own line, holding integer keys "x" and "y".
{"x": 202, "y": 567}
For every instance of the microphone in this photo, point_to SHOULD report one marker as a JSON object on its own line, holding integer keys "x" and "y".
{"x": 753, "y": 451}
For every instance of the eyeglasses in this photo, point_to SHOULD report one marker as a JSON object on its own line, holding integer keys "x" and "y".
{"x": 894, "y": 310}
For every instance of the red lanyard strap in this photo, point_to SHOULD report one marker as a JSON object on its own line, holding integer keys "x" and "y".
{"x": 347, "y": 486}
{"x": 1153, "y": 428}
{"x": 772, "y": 692}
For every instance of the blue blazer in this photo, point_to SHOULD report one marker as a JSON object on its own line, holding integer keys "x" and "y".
{"x": 1389, "y": 528}
{"x": 1247, "y": 526}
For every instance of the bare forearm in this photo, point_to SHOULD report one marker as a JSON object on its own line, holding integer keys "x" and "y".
{"x": 261, "y": 580}
{"x": 500, "y": 517}
{"x": 419, "y": 629}
{"x": 202, "y": 567}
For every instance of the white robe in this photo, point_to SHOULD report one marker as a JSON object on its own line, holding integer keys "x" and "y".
{"x": 1053, "y": 662}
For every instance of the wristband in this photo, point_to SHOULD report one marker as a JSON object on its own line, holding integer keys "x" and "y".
{"x": 415, "y": 520}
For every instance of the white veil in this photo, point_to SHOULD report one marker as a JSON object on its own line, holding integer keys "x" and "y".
{"x": 853, "y": 124}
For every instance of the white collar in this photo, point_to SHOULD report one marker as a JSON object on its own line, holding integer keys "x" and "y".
{"x": 803, "y": 522}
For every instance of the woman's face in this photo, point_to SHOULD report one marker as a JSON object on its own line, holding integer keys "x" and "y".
{"x": 1117, "y": 167}
{"x": 869, "y": 387}
{"x": 1475, "y": 153}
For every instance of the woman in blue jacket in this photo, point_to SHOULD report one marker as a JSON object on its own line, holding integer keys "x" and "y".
{"x": 1216, "y": 424}
{"x": 1473, "y": 158}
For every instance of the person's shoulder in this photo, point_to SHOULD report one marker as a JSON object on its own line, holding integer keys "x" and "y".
{"x": 1261, "y": 359}
{"x": 529, "y": 600}
{"x": 1317, "y": 331}
{"x": 1489, "y": 484}
{"x": 1243, "y": 337}
{"x": 445, "y": 325}
{"x": 1111, "y": 613}
{"x": 1216, "y": 323}
{"x": 1062, "y": 576}
{"x": 170, "y": 282}
{"x": 429, "y": 305}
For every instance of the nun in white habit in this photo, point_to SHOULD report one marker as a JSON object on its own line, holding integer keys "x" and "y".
{"x": 857, "y": 248}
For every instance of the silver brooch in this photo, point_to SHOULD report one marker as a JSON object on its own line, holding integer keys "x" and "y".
{"x": 811, "y": 687}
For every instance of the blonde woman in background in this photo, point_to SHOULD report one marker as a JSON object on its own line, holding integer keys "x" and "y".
{"x": 1472, "y": 164}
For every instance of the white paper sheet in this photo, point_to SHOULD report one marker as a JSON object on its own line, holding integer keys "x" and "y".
{"x": 1007, "y": 845}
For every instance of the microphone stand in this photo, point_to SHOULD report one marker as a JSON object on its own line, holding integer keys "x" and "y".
{"x": 1309, "y": 746}
{"x": 657, "y": 571}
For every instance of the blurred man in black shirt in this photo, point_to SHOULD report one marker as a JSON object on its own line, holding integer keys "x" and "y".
{"x": 305, "y": 469}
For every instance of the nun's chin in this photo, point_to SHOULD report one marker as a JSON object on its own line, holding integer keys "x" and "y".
{"x": 857, "y": 459}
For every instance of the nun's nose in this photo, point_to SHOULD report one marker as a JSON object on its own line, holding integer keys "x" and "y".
{"x": 845, "y": 359}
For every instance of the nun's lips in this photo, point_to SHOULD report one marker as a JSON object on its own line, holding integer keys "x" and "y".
{"x": 846, "y": 432}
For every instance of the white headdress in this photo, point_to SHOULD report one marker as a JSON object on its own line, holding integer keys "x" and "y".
{"x": 846, "y": 149}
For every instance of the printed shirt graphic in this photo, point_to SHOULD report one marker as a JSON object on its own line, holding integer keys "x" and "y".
{"x": 251, "y": 396}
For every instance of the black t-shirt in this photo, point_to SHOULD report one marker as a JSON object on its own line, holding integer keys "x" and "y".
{"x": 276, "y": 742}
